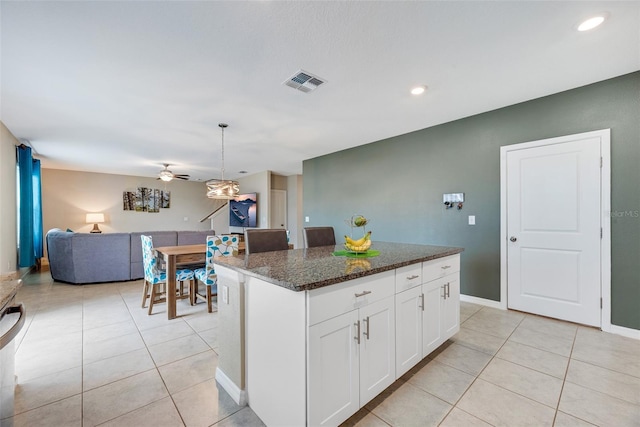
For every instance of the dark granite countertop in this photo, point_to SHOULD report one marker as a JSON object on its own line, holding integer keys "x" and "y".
{"x": 306, "y": 269}
{"x": 8, "y": 291}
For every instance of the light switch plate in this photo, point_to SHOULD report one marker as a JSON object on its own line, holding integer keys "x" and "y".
{"x": 306, "y": 219}
{"x": 472, "y": 220}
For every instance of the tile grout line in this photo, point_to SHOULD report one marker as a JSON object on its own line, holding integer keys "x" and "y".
{"x": 482, "y": 370}
{"x": 155, "y": 366}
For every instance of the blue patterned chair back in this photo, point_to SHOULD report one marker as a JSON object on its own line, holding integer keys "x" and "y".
{"x": 149, "y": 260}
{"x": 217, "y": 246}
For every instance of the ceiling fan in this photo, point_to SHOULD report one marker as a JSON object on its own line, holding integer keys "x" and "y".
{"x": 167, "y": 175}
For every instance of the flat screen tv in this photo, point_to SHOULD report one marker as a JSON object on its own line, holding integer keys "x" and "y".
{"x": 243, "y": 210}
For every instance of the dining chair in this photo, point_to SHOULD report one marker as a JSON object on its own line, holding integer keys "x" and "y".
{"x": 217, "y": 246}
{"x": 319, "y": 236}
{"x": 154, "y": 276}
{"x": 265, "y": 240}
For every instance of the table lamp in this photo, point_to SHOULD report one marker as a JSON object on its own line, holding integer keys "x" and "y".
{"x": 95, "y": 219}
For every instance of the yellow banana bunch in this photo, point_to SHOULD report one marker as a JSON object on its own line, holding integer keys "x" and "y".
{"x": 358, "y": 242}
{"x": 361, "y": 245}
{"x": 362, "y": 248}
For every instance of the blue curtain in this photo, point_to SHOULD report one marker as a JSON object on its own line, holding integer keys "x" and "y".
{"x": 37, "y": 208}
{"x": 30, "y": 208}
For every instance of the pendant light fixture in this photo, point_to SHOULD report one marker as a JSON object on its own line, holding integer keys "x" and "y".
{"x": 221, "y": 188}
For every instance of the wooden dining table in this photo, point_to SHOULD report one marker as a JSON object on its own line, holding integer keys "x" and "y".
{"x": 175, "y": 256}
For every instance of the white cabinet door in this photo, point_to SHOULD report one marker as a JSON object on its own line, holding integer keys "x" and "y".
{"x": 432, "y": 315}
{"x": 408, "y": 329}
{"x": 451, "y": 307}
{"x": 377, "y": 348}
{"x": 333, "y": 370}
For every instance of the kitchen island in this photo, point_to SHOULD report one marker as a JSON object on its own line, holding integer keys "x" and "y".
{"x": 308, "y": 338}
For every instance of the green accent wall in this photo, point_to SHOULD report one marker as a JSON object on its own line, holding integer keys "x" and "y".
{"x": 398, "y": 183}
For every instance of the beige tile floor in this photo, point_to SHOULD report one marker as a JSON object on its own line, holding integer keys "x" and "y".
{"x": 89, "y": 355}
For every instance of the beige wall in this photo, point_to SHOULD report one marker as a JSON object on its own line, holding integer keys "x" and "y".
{"x": 68, "y": 195}
{"x": 8, "y": 216}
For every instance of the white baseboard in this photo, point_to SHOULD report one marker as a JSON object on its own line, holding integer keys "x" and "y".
{"x": 625, "y": 332}
{"x": 618, "y": 330}
{"x": 238, "y": 395}
{"x": 482, "y": 301}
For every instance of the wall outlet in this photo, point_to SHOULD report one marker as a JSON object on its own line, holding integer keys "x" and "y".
{"x": 186, "y": 219}
{"x": 306, "y": 219}
{"x": 472, "y": 220}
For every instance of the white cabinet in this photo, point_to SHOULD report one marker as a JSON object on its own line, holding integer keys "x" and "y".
{"x": 408, "y": 329}
{"x": 352, "y": 355}
{"x": 377, "y": 348}
{"x": 427, "y": 314}
{"x": 334, "y": 375}
{"x": 441, "y": 316}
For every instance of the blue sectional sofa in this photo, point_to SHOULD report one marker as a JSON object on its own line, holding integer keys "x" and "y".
{"x": 81, "y": 258}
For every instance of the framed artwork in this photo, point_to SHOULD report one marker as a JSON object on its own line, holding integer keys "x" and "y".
{"x": 146, "y": 200}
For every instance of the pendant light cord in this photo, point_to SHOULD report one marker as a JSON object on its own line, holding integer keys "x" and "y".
{"x": 222, "y": 126}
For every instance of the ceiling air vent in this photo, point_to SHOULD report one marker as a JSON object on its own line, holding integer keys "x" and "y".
{"x": 304, "y": 82}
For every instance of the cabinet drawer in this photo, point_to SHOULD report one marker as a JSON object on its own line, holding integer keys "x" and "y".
{"x": 440, "y": 267}
{"x": 333, "y": 300}
{"x": 408, "y": 277}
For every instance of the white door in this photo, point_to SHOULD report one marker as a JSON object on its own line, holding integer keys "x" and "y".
{"x": 333, "y": 370}
{"x": 408, "y": 329}
{"x": 434, "y": 292}
{"x": 451, "y": 306}
{"x": 554, "y": 230}
{"x": 377, "y": 348}
{"x": 278, "y": 207}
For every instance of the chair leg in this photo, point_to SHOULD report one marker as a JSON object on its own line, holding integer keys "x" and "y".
{"x": 153, "y": 297}
{"x": 193, "y": 288}
{"x": 145, "y": 290}
{"x": 209, "y": 309}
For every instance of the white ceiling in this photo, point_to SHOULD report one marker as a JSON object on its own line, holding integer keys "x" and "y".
{"x": 122, "y": 87}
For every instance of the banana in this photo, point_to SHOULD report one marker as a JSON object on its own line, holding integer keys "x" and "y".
{"x": 358, "y": 248}
{"x": 358, "y": 242}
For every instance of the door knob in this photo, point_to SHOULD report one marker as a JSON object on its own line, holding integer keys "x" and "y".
{"x": 513, "y": 238}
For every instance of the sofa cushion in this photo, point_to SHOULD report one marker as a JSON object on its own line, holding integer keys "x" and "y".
{"x": 101, "y": 258}
{"x": 160, "y": 238}
{"x": 88, "y": 258}
{"x": 193, "y": 237}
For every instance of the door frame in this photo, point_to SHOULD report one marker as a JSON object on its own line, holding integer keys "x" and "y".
{"x": 605, "y": 215}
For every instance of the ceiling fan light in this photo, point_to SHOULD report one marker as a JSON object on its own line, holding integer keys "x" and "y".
{"x": 166, "y": 175}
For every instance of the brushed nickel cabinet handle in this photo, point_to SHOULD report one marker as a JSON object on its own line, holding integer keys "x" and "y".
{"x": 366, "y": 333}
{"x": 444, "y": 267}
{"x": 357, "y": 337}
{"x": 422, "y": 301}
{"x": 412, "y": 277}
{"x": 363, "y": 293}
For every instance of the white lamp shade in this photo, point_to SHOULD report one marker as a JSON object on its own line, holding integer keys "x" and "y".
{"x": 95, "y": 218}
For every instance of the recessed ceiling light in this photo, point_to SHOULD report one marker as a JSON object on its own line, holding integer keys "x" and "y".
{"x": 591, "y": 23}
{"x": 418, "y": 90}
